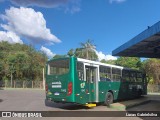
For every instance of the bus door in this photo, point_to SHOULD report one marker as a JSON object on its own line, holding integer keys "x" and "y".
{"x": 91, "y": 77}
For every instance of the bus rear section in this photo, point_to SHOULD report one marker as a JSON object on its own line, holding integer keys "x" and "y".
{"x": 59, "y": 83}
{"x": 85, "y": 82}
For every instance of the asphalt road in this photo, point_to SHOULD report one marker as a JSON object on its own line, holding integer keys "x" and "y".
{"x": 33, "y": 100}
{"x": 153, "y": 105}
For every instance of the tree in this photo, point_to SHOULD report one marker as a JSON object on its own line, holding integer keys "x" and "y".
{"x": 112, "y": 62}
{"x": 20, "y": 62}
{"x": 130, "y": 62}
{"x": 87, "y": 51}
{"x": 59, "y": 56}
{"x": 152, "y": 68}
{"x": 70, "y": 52}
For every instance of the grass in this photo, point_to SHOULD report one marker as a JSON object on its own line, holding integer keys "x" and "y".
{"x": 153, "y": 93}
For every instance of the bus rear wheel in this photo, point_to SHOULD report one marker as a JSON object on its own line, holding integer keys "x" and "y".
{"x": 139, "y": 93}
{"x": 48, "y": 103}
{"x": 109, "y": 99}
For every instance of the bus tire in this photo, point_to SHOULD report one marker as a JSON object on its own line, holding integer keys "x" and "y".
{"x": 108, "y": 99}
{"x": 139, "y": 93}
{"x": 48, "y": 103}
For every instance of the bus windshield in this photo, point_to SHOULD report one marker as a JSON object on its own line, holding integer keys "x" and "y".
{"x": 58, "y": 67}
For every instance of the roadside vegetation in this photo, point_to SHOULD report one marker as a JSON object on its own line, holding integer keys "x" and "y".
{"x": 20, "y": 62}
{"x": 24, "y": 62}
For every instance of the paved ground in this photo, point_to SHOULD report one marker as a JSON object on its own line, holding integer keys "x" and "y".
{"x": 33, "y": 100}
{"x": 153, "y": 105}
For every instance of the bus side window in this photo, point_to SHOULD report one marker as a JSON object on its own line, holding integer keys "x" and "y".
{"x": 139, "y": 77}
{"x": 133, "y": 76}
{"x": 116, "y": 74}
{"x": 105, "y": 73}
{"x": 58, "y": 67}
{"x": 88, "y": 75}
{"x": 125, "y": 75}
{"x": 80, "y": 70}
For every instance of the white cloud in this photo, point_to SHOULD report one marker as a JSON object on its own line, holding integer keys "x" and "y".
{"x": 102, "y": 56}
{"x": 47, "y": 51}
{"x": 70, "y": 5}
{"x": 40, "y": 3}
{"x": 29, "y": 24}
{"x": 117, "y": 1}
{"x": 10, "y": 37}
{"x": 73, "y": 7}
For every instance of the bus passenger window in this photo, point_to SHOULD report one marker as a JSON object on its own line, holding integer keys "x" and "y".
{"x": 80, "y": 70}
{"x": 58, "y": 67}
{"x": 139, "y": 77}
{"x": 90, "y": 74}
{"x": 125, "y": 75}
{"x": 87, "y": 75}
{"x": 133, "y": 76}
{"x": 105, "y": 73}
{"x": 116, "y": 74}
{"x": 93, "y": 75}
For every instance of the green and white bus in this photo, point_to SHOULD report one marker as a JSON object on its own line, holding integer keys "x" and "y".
{"x": 81, "y": 81}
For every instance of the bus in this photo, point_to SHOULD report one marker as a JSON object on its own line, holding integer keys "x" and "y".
{"x": 81, "y": 81}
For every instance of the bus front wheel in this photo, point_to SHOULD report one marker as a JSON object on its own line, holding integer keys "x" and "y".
{"x": 109, "y": 99}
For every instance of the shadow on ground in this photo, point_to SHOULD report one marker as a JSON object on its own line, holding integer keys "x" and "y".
{"x": 67, "y": 106}
{"x": 1, "y": 89}
{"x": 1, "y": 100}
{"x": 152, "y": 107}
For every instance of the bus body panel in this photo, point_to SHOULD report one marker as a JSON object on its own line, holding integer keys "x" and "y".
{"x": 85, "y": 90}
{"x": 90, "y": 88}
{"x": 58, "y": 85}
{"x": 106, "y": 86}
{"x": 80, "y": 92}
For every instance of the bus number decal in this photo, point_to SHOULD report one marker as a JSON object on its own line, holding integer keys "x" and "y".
{"x": 63, "y": 90}
{"x": 82, "y": 85}
{"x": 56, "y": 84}
{"x": 82, "y": 90}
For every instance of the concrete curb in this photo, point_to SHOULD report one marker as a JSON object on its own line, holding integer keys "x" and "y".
{"x": 153, "y": 93}
{"x": 122, "y": 106}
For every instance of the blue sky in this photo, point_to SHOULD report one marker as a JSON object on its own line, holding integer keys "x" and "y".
{"x": 56, "y": 26}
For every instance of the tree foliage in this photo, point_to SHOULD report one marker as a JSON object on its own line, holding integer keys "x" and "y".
{"x": 21, "y": 61}
{"x": 86, "y": 51}
{"x": 112, "y": 62}
{"x": 152, "y": 68}
{"x": 59, "y": 56}
{"x": 71, "y": 52}
{"x": 130, "y": 62}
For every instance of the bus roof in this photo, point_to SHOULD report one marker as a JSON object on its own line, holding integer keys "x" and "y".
{"x": 104, "y": 64}
{"x": 61, "y": 58}
{"x": 94, "y": 62}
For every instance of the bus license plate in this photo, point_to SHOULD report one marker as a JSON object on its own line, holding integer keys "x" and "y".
{"x": 56, "y": 93}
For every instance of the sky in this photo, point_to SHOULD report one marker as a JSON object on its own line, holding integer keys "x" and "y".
{"x": 56, "y": 26}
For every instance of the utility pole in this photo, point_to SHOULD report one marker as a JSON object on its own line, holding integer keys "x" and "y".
{"x": 11, "y": 79}
{"x": 43, "y": 80}
{"x": 11, "y": 76}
